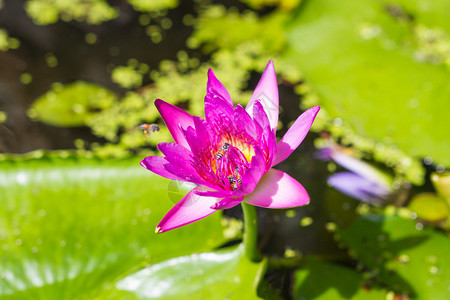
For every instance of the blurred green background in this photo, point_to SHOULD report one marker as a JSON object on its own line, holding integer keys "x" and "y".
{"x": 77, "y": 212}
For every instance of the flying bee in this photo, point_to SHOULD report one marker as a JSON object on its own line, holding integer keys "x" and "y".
{"x": 148, "y": 128}
{"x": 238, "y": 176}
{"x": 222, "y": 151}
{"x": 232, "y": 182}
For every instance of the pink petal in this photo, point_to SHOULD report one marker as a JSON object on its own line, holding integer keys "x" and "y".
{"x": 227, "y": 203}
{"x": 260, "y": 117}
{"x": 295, "y": 135}
{"x": 175, "y": 118}
{"x": 265, "y": 132}
{"x": 156, "y": 164}
{"x": 214, "y": 88}
{"x": 278, "y": 190}
{"x": 180, "y": 162}
{"x": 176, "y": 153}
{"x": 272, "y": 149}
{"x": 267, "y": 92}
{"x": 214, "y": 193}
{"x": 190, "y": 209}
{"x": 198, "y": 139}
{"x": 218, "y": 110}
{"x": 244, "y": 121}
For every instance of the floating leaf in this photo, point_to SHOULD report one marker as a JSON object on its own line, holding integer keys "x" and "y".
{"x": 405, "y": 256}
{"x": 363, "y": 60}
{"x": 224, "y": 274}
{"x": 68, "y": 227}
{"x": 322, "y": 280}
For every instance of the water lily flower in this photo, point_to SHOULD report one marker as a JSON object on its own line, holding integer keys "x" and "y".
{"x": 229, "y": 155}
{"x": 364, "y": 182}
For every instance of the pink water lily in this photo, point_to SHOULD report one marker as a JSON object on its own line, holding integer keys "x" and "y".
{"x": 229, "y": 155}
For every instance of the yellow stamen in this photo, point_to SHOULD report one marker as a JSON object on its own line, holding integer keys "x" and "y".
{"x": 213, "y": 165}
{"x": 158, "y": 229}
{"x": 246, "y": 149}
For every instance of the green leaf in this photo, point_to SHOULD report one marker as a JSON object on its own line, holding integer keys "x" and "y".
{"x": 223, "y": 274}
{"x": 71, "y": 104}
{"x": 68, "y": 227}
{"x": 404, "y": 256}
{"x": 322, "y": 280}
{"x": 429, "y": 207}
{"x": 369, "y": 66}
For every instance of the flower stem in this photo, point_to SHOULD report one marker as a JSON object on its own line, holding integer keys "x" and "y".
{"x": 251, "y": 232}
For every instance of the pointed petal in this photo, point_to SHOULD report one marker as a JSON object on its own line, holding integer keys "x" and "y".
{"x": 201, "y": 139}
{"x": 295, "y": 135}
{"x": 267, "y": 92}
{"x": 278, "y": 190}
{"x": 190, "y": 209}
{"x": 227, "y": 203}
{"x": 243, "y": 121}
{"x": 175, "y": 118}
{"x": 260, "y": 116}
{"x": 358, "y": 187}
{"x": 218, "y": 111}
{"x": 214, "y": 88}
{"x": 272, "y": 149}
{"x": 177, "y": 154}
{"x": 156, "y": 164}
{"x": 268, "y": 136}
{"x": 190, "y": 134}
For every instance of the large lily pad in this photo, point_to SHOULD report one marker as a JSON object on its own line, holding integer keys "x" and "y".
{"x": 322, "y": 280}
{"x": 404, "y": 256}
{"x": 225, "y": 274}
{"x": 68, "y": 227}
{"x": 363, "y": 58}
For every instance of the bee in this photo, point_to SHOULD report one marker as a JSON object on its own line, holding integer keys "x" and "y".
{"x": 238, "y": 176}
{"x": 222, "y": 151}
{"x": 148, "y": 128}
{"x": 232, "y": 182}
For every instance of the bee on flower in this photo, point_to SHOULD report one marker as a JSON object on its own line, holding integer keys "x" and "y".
{"x": 222, "y": 150}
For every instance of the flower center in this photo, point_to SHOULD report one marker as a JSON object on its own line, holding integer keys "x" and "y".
{"x": 227, "y": 156}
{"x": 226, "y": 161}
{"x": 229, "y": 160}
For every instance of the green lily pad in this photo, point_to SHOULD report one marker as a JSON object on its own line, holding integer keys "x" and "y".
{"x": 71, "y": 104}
{"x": 429, "y": 207}
{"x": 70, "y": 226}
{"x": 363, "y": 60}
{"x": 322, "y": 280}
{"x": 407, "y": 257}
{"x": 223, "y": 274}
